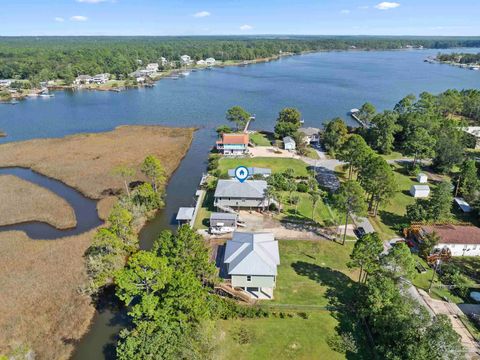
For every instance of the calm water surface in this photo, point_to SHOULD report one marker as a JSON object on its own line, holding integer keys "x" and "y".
{"x": 322, "y": 86}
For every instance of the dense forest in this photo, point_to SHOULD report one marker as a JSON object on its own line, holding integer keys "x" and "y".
{"x": 460, "y": 58}
{"x": 47, "y": 58}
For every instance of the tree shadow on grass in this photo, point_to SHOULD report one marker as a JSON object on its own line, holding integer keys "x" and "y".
{"x": 392, "y": 220}
{"x": 342, "y": 294}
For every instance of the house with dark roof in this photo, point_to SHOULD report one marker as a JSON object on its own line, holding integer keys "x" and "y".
{"x": 233, "y": 144}
{"x": 248, "y": 195}
{"x": 251, "y": 261}
{"x": 460, "y": 239}
{"x": 310, "y": 134}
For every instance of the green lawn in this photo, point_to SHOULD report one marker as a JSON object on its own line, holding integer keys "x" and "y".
{"x": 304, "y": 209}
{"x": 309, "y": 268}
{"x": 312, "y": 154}
{"x": 203, "y": 216}
{"x": 276, "y": 164}
{"x": 311, "y": 275}
{"x": 422, "y": 281}
{"x": 260, "y": 139}
{"x": 276, "y": 338}
{"x": 394, "y": 156}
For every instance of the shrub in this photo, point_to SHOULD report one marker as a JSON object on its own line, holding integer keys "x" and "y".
{"x": 302, "y": 187}
{"x": 303, "y": 315}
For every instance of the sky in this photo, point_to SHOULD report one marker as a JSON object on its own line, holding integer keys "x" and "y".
{"x": 237, "y": 17}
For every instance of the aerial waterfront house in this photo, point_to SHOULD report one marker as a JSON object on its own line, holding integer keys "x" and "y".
{"x": 251, "y": 261}
{"x": 185, "y": 60}
{"x": 5, "y": 82}
{"x": 210, "y": 61}
{"x": 163, "y": 61}
{"x": 233, "y": 144}
{"x": 420, "y": 191}
{"x": 252, "y": 171}
{"x": 100, "y": 78}
{"x": 460, "y": 239}
{"x": 310, "y": 135}
{"x": 201, "y": 62}
{"x": 83, "y": 79}
{"x": 232, "y": 194}
{"x": 153, "y": 67}
{"x": 289, "y": 143}
{"x": 222, "y": 223}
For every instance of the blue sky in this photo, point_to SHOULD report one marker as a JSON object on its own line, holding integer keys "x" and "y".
{"x": 212, "y": 17}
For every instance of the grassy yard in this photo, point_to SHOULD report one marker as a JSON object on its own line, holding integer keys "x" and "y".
{"x": 203, "y": 216}
{"x": 312, "y": 154}
{"x": 308, "y": 269}
{"x": 311, "y": 274}
{"x": 276, "y": 338}
{"x": 276, "y": 164}
{"x": 422, "y": 281}
{"x": 260, "y": 139}
{"x": 304, "y": 209}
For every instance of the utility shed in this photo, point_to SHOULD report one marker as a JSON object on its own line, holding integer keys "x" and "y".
{"x": 422, "y": 178}
{"x": 463, "y": 205}
{"x": 420, "y": 191}
{"x": 289, "y": 143}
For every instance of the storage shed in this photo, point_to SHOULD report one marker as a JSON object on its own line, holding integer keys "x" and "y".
{"x": 422, "y": 178}
{"x": 420, "y": 191}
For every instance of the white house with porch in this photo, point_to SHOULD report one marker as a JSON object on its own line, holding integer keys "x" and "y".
{"x": 251, "y": 261}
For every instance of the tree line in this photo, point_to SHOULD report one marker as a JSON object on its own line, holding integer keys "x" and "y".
{"x": 461, "y": 58}
{"x": 48, "y": 58}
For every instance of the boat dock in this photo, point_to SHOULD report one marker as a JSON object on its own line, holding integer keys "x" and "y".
{"x": 354, "y": 114}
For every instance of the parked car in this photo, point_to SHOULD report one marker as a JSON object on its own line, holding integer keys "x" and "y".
{"x": 360, "y": 232}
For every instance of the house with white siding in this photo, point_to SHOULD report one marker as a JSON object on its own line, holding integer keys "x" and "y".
{"x": 462, "y": 240}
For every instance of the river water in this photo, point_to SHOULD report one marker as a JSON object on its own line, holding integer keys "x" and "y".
{"x": 321, "y": 85}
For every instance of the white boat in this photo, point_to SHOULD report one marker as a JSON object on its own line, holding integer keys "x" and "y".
{"x": 354, "y": 111}
{"x": 46, "y": 95}
{"x": 185, "y": 73}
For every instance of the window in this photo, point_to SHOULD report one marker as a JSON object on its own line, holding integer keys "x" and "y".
{"x": 249, "y": 278}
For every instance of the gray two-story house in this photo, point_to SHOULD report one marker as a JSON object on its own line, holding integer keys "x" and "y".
{"x": 236, "y": 195}
{"x": 251, "y": 261}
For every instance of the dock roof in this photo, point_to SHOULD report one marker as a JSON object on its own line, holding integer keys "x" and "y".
{"x": 185, "y": 213}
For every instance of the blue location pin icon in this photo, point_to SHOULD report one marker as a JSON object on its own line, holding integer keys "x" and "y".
{"x": 241, "y": 173}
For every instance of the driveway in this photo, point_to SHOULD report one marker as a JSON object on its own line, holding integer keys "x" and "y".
{"x": 270, "y": 151}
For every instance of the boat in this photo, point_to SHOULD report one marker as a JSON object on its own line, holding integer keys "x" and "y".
{"x": 354, "y": 111}
{"x": 185, "y": 73}
{"x": 46, "y": 95}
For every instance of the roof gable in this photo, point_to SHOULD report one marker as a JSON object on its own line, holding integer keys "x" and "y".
{"x": 252, "y": 254}
{"x": 253, "y": 189}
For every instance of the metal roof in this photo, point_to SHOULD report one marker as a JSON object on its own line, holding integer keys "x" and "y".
{"x": 420, "y": 187}
{"x": 254, "y": 189}
{"x": 288, "y": 140}
{"x": 223, "y": 216}
{"x": 185, "y": 213}
{"x": 252, "y": 171}
{"x": 252, "y": 254}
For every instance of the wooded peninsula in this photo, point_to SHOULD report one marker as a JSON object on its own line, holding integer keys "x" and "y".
{"x": 44, "y": 58}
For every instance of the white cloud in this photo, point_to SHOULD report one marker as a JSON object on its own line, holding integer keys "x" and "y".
{"x": 201, "y": 14}
{"x": 345, "y": 11}
{"x": 386, "y": 5}
{"x": 59, "y": 19}
{"x": 79, "y": 18}
{"x": 91, "y": 1}
{"x": 246, "y": 27}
